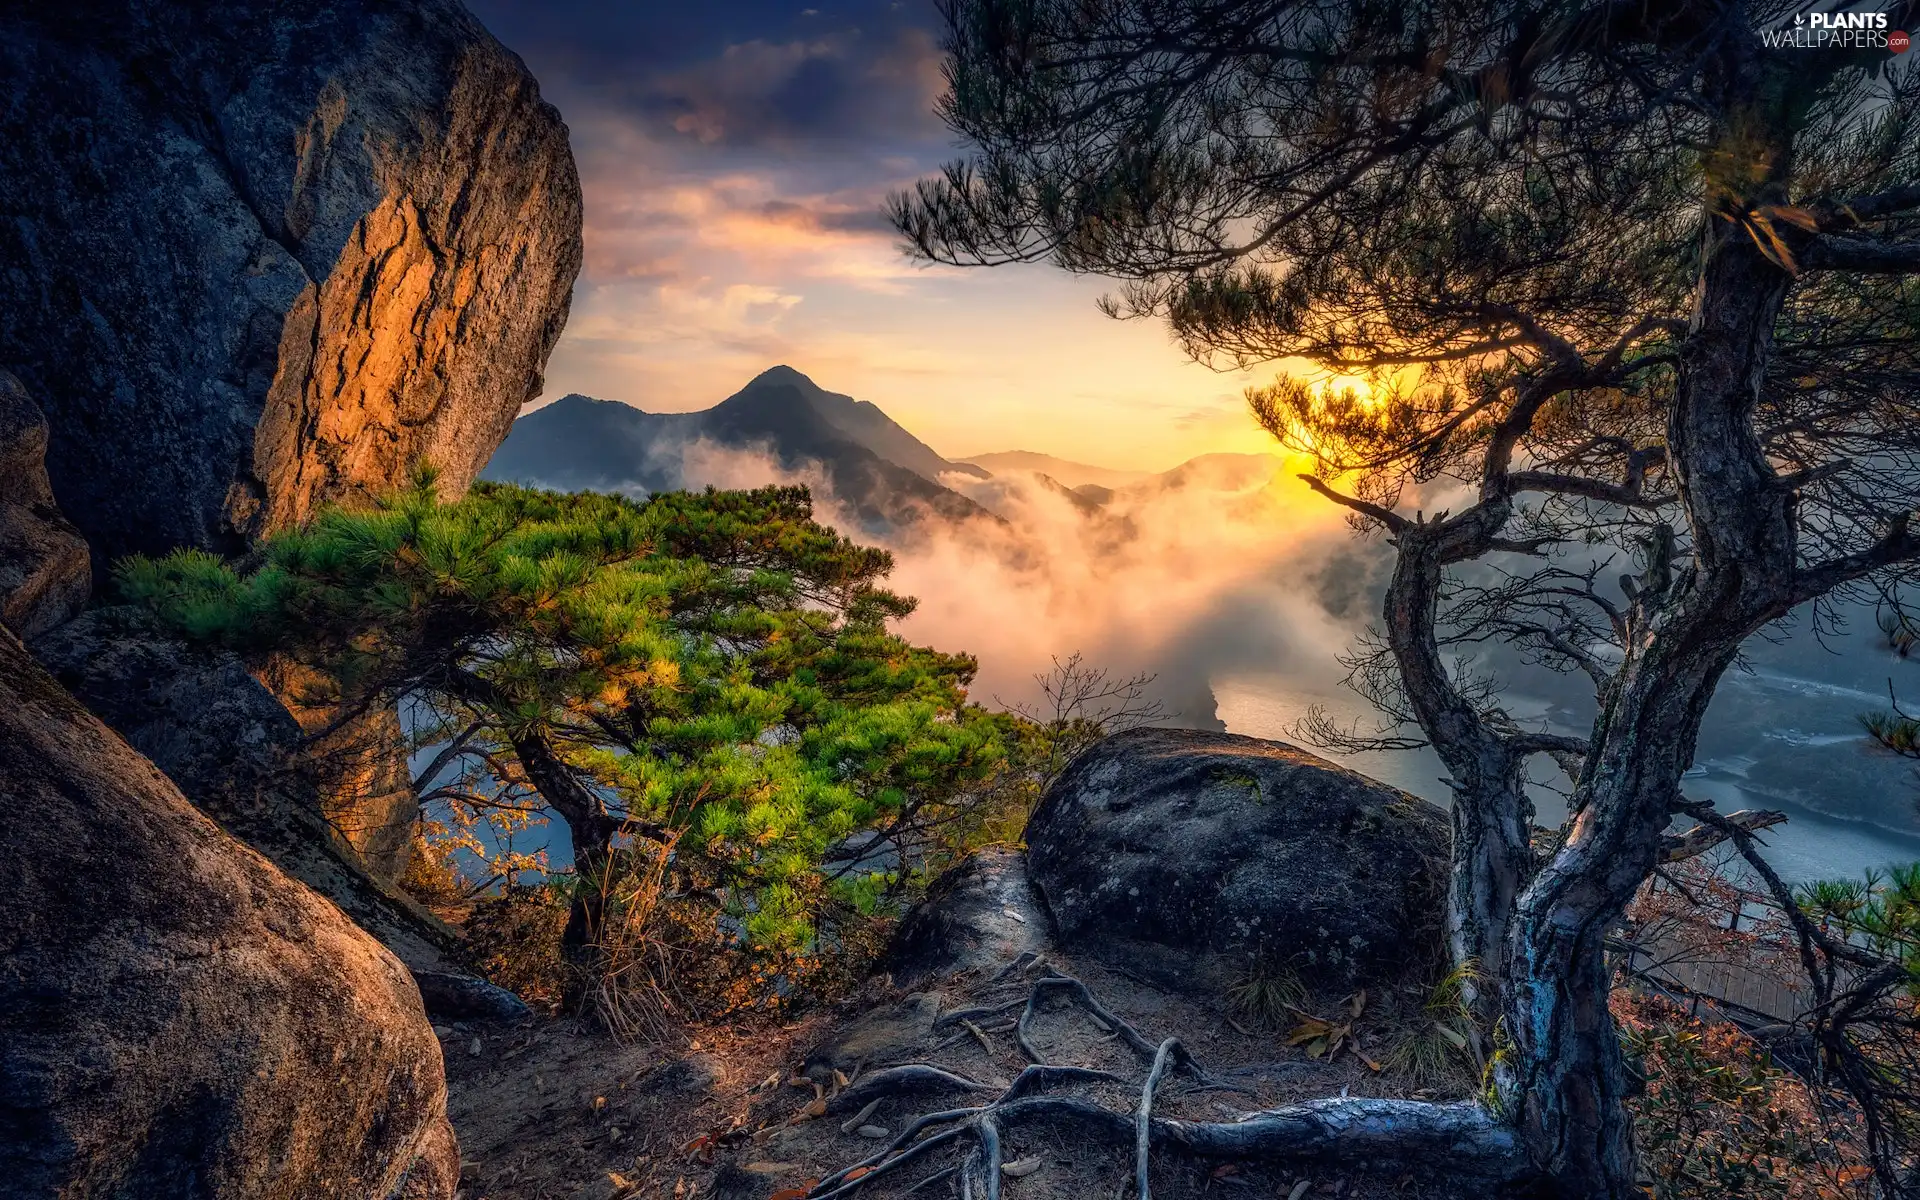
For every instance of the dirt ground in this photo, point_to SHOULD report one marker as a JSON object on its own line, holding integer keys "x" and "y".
{"x": 550, "y": 1110}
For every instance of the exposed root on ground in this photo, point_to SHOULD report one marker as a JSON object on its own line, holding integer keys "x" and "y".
{"x": 1461, "y": 1139}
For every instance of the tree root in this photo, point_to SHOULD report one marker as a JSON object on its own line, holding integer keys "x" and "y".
{"x": 1374, "y": 1133}
{"x": 908, "y": 1077}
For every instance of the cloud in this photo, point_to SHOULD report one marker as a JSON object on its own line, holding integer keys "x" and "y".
{"x": 850, "y": 88}
{"x": 735, "y": 161}
{"x": 1186, "y": 584}
{"x": 657, "y": 210}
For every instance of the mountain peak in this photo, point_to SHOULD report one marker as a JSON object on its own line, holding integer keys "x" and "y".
{"x": 781, "y": 374}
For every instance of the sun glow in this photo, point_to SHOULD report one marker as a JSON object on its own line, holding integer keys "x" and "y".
{"x": 1363, "y": 387}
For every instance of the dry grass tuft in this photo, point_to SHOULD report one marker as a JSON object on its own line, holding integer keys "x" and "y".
{"x": 1267, "y": 996}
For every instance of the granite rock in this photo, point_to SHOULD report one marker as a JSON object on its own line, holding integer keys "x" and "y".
{"x": 262, "y": 256}
{"x": 177, "y": 1017}
{"x": 45, "y": 574}
{"x": 1194, "y": 858}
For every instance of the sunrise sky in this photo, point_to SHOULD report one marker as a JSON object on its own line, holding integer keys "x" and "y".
{"x": 735, "y": 155}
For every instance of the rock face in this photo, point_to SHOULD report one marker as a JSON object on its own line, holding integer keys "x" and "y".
{"x": 260, "y": 256}
{"x": 1192, "y": 857}
{"x": 177, "y": 1018}
{"x": 978, "y": 916}
{"x": 235, "y": 752}
{"x": 45, "y": 575}
{"x": 360, "y": 765}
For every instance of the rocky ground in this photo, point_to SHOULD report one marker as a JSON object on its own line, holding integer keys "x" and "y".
{"x": 553, "y": 1110}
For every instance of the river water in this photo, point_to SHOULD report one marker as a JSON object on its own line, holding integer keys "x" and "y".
{"x": 1849, "y": 809}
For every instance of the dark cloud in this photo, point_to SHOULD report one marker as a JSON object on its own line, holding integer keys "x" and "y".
{"x": 737, "y": 75}
{"x": 850, "y": 88}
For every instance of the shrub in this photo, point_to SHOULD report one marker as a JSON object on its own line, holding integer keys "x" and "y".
{"x": 1718, "y": 1118}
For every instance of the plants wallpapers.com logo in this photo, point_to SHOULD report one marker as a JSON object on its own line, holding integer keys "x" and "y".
{"x": 1837, "y": 31}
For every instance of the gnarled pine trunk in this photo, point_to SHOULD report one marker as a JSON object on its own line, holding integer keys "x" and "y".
{"x": 1563, "y": 1068}
{"x": 1565, "y": 1072}
{"x": 1491, "y": 812}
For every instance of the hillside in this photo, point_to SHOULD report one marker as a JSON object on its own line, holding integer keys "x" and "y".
{"x": 876, "y": 469}
{"x": 1065, "y": 471}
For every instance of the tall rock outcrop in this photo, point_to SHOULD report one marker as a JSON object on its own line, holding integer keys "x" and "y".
{"x": 45, "y": 574}
{"x": 177, "y": 1018}
{"x": 257, "y": 256}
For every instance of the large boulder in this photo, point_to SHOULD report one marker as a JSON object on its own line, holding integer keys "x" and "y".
{"x": 177, "y": 1018}
{"x": 1197, "y": 857}
{"x": 258, "y": 256}
{"x": 45, "y": 574}
{"x": 980, "y": 915}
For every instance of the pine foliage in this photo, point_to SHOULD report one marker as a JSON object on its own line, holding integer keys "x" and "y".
{"x": 712, "y": 671}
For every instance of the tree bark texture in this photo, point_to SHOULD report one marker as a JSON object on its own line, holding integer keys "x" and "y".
{"x": 1687, "y": 624}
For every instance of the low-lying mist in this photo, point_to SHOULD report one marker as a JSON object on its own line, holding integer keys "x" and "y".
{"x": 1235, "y": 569}
{"x": 1237, "y": 590}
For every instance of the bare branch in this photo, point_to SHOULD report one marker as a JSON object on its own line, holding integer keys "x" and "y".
{"x": 1862, "y": 255}
{"x": 1898, "y": 545}
{"x": 1392, "y": 520}
{"x": 1701, "y": 838}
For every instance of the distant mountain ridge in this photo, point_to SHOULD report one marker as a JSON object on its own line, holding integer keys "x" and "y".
{"x": 876, "y": 468}
{"x": 1064, "y": 471}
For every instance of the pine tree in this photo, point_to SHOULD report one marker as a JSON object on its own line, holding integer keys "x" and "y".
{"x": 711, "y": 673}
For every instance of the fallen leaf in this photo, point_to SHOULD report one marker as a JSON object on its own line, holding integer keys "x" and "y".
{"x": 1299, "y": 1189}
{"x": 818, "y": 1108}
{"x": 872, "y": 1131}
{"x": 839, "y": 1078}
{"x": 701, "y": 1146}
{"x": 1021, "y": 1168}
{"x": 856, "y": 1173}
{"x": 790, "y": 1194}
{"x": 1225, "y": 1169}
